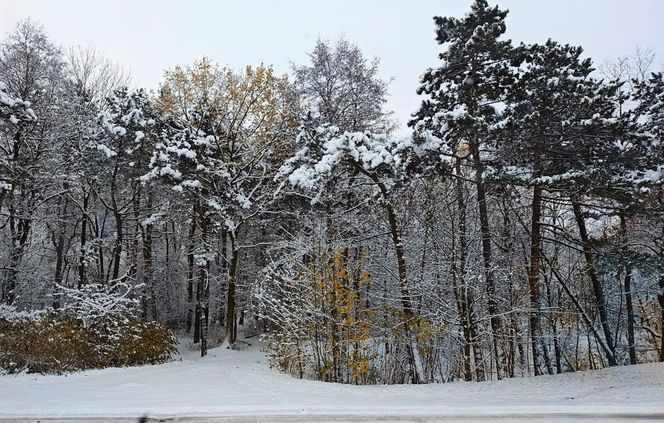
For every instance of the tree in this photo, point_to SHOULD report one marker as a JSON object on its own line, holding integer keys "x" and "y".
{"x": 122, "y": 148}
{"x": 95, "y": 77}
{"x": 324, "y": 152}
{"x": 226, "y": 132}
{"x": 344, "y": 88}
{"x": 459, "y": 108}
{"x": 647, "y": 123}
{"x": 30, "y": 71}
{"x": 551, "y": 135}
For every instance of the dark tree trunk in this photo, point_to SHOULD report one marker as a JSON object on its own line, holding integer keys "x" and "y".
{"x": 58, "y": 239}
{"x": 223, "y": 258}
{"x": 231, "y": 327}
{"x": 117, "y": 249}
{"x": 148, "y": 271}
{"x": 191, "y": 319}
{"x": 84, "y": 235}
{"x": 554, "y": 328}
{"x": 59, "y": 264}
{"x": 631, "y": 343}
{"x": 203, "y": 286}
{"x": 597, "y": 286}
{"x": 197, "y": 319}
{"x": 99, "y": 231}
{"x": 534, "y": 266}
{"x": 507, "y": 249}
{"x": 485, "y": 229}
{"x": 465, "y": 301}
{"x": 409, "y": 315}
{"x": 585, "y": 317}
{"x": 20, "y": 230}
{"x": 119, "y": 227}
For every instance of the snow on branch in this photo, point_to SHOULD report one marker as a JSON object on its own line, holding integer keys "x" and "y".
{"x": 18, "y": 109}
{"x": 95, "y": 302}
{"x": 325, "y": 148}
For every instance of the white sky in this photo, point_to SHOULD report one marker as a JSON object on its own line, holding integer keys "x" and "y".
{"x": 148, "y": 36}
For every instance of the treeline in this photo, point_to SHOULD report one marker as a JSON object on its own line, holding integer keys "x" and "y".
{"x": 518, "y": 230}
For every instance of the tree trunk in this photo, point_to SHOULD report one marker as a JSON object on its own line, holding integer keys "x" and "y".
{"x": 597, "y": 286}
{"x": 465, "y": 301}
{"x": 631, "y": 343}
{"x": 534, "y": 266}
{"x": 119, "y": 228}
{"x": 231, "y": 328}
{"x": 84, "y": 234}
{"x": 554, "y": 327}
{"x": 585, "y": 317}
{"x": 58, "y": 240}
{"x": 148, "y": 271}
{"x": 496, "y": 326}
{"x": 409, "y": 315}
{"x": 20, "y": 230}
{"x": 190, "y": 280}
{"x": 223, "y": 264}
{"x": 59, "y": 262}
{"x": 99, "y": 233}
{"x": 203, "y": 287}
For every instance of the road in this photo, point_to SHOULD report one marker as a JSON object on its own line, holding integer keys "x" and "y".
{"x": 461, "y": 418}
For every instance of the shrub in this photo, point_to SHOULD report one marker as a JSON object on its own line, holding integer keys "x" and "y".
{"x": 52, "y": 345}
{"x": 46, "y": 345}
{"x": 143, "y": 343}
{"x": 97, "y": 328}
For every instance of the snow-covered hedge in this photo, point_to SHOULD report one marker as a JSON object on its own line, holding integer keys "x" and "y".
{"x": 96, "y": 327}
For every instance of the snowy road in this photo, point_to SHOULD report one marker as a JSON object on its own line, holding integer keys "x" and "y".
{"x": 239, "y": 386}
{"x": 464, "y": 418}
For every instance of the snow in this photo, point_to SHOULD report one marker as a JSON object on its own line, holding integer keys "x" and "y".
{"x": 169, "y": 171}
{"x": 243, "y": 201}
{"x": 5, "y": 98}
{"x": 152, "y": 219}
{"x": 105, "y": 120}
{"x": 11, "y": 314}
{"x": 241, "y": 383}
{"x": 106, "y": 150}
{"x": 367, "y": 150}
{"x": 16, "y": 103}
{"x": 191, "y": 183}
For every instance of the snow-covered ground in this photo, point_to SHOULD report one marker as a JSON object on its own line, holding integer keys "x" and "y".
{"x": 230, "y": 383}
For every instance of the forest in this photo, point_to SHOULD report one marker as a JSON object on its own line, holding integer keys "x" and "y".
{"x": 516, "y": 228}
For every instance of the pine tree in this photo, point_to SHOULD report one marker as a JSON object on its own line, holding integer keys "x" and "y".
{"x": 462, "y": 93}
{"x": 648, "y": 127}
{"x": 551, "y": 137}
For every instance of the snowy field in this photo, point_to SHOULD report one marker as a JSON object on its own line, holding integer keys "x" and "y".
{"x": 239, "y": 386}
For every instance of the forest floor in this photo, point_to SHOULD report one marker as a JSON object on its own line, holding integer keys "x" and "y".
{"x": 240, "y": 386}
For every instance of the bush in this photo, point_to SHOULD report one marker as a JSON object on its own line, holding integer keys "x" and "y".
{"x": 97, "y": 329}
{"x": 45, "y": 345}
{"x": 143, "y": 343}
{"x": 52, "y": 345}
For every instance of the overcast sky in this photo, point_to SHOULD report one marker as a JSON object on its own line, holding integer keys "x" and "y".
{"x": 148, "y": 36}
